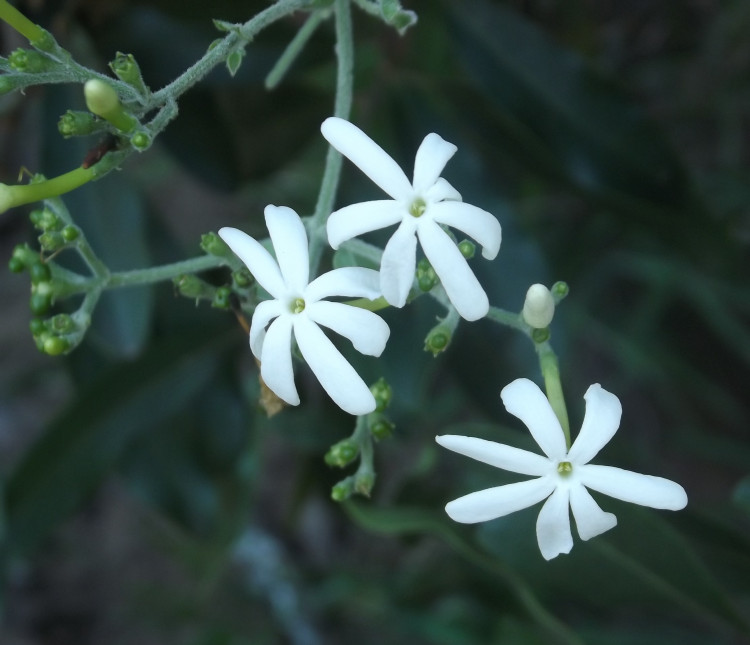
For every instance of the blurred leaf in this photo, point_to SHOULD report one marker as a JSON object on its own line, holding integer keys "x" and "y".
{"x": 82, "y": 446}
{"x": 405, "y": 521}
{"x": 568, "y": 122}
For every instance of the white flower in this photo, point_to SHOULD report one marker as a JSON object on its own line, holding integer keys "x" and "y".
{"x": 562, "y": 475}
{"x": 419, "y": 208}
{"x": 298, "y": 306}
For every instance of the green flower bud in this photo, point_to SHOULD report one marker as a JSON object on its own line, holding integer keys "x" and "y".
{"x": 539, "y": 307}
{"x": 54, "y": 345}
{"x": 40, "y": 303}
{"x": 396, "y": 16}
{"x": 76, "y": 123}
{"x": 70, "y": 233}
{"x": 62, "y": 324}
{"x": 126, "y": 69}
{"x": 383, "y": 394}
{"x": 381, "y": 428}
{"x": 45, "y": 220}
{"x": 242, "y": 278}
{"x": 342, "y": 453}
{"x": 30, "y": 61}
{"x": 25, "y": 255}
{"x": 16, "y": 265}
{"x": 363, "y": 483}
{"x": 212, "y": 244}
{"x": 540, "y": 335}
{"x": 343, "y": 490}
{"x": 102, "y": 100}
{"x": 8, "y": 83}
{"x": 438, "y": 339}
{"x": 37, "y": 326}
{"x": 559, "y": 290}
{"x": 222, "y": 298}
{"x": 51, "y": 241}
{"x": 191, "y": 286}
{"x": 141, "y": 140}
{"x": 467, "y": 248}
{"x": 39, "y": 272}
{"x": 426, "y": 276}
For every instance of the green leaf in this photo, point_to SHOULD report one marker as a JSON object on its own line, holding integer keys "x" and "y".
{"x": 82, "y": 446}
{"x": 234, "y": 60}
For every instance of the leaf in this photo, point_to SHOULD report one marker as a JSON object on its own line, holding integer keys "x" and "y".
{"x": 82, "y": 446}
{"x": 234, "y": 60}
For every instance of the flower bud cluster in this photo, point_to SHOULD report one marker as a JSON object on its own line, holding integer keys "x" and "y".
{"x": 55, "y": 233}
{"x": 30, "y": 61}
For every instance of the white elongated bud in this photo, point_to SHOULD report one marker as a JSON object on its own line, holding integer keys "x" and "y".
{"x": 539, "y": 306}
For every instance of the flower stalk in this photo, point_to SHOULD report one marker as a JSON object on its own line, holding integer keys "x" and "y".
{"x": 13, "y": 17}
{"x": 18, "y": 195}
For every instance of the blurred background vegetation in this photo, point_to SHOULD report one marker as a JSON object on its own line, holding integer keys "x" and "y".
{"x": 147, "y": 499}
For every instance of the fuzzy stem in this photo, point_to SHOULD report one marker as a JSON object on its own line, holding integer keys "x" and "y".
{"x": 294, "y": 49}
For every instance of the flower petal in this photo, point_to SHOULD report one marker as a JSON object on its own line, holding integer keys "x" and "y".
{"x": 368, "y": 156}
{"x": 553, "y": 526}
{"x": 264, "y": 313}
{"x": 290, "y": 244}
{"x": 496, "y": 502}
{"x": 258, "y": 261}
{"x": 399, "y": 263}
{"x": 440, "y": 191}
{"x": 357, "y": 219}
{"x": 628, "y": 486}
{"x": 349, "y": 282}
{"x": 478, "y": 224}
{"x": 335, "y": 374}
{"x": 524, "y": 399}
{"x": 590, "y": 519}
{"x": 459, "y": 282}
{"x": 367, "y": 331}
{"x": 432, "y": 155}
{"x": 602, "y": 418}
{"x": 276, "y": 360}
{"x": 496, "y": 454}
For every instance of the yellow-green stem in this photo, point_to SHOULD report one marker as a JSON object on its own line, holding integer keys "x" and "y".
{"x": 551, "y": 374}
{"x": 20, "y": 194}
{"x": 19, "y": 22}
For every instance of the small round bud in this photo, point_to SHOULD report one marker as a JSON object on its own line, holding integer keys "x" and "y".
{"x": 383, "y": 394}
{"x": 45, "y": 220}
{"x": 437, "y": 340}
{"x": 141, "y": 140}
{"x": 101, "y": 98}
{"x": 191, "y": 286}
{"x": 343, "y": 490}
{"x": 54, "y": 345}
{"x": 40, "y": 303}
{"x": 467, "y": 248}
{"x": 24, "y": 254}
{"x": 381, "y": 428}
{"x": 426, "y": 276}
{"x": 242, "y": 278}
{"x": 76, "y": 123}
{"x": 222, "y": 298}
{"x": 51, "y": 241}
{"x": 212, "y": 244}
{"x": 29, "y": 61}
{"x": 70, "y": 233}
{"x": 16, "y": 265}
{"x": 62, "y": 324}
{"x": 540, "y": 335}
{"x": 539, "y": 307}
{"x": 342, "y": 453}
{"x": 559, "y": 290}
{"x": 37, "y": 326}
{"x": 39, "y": 272}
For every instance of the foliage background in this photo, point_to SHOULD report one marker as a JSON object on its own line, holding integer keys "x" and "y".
{"x": 146, "y": 498}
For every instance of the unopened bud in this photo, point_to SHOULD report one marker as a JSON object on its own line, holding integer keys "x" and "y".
{"x": 426, "y": 276}
{"x": 212, "y": 244}
{"x": 141, "y": 140}
{"x": 381, "y": 428}
{"x": 75, "y": 123}
{"x": 467, "y": 248}
{"x": 383, "y": 394}
{"x": 126, "y": 69}
{"x": 191, "y": 286}
{"x": 222, "y": 298}
{"x": 102, "y": 100}
{"x": 39, "y": 272}
{"x": 559, "y": 291}
{"x": 343, "y": 490}
{"x": 363, "y": 483}
{"x": 342, "y": 453}
{"x": 29, "y": 61}
{"x": 539, "y": 307}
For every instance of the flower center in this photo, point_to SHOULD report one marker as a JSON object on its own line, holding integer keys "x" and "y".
{"x": 565, "y": 468}
{"x": 297, "y": 306}
{"x": 418, "y": 207}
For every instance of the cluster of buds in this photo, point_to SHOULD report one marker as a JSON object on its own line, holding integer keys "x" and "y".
{"x": 372, "y": 427}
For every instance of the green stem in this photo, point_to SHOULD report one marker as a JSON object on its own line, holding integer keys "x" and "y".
{"x": 342, "y": 109}
{"x": 164, "y": 272}
{"x": 294, "y": 49}
{"x": 551, "y": 373}
{"x": 508, "y": 318}
{"x": 243, "y": 35}
{"x": 19, "y": 22}
{"x": 20, "y": 194}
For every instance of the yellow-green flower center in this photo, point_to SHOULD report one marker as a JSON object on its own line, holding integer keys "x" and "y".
{"x": 565, "y": 468}
{"x": 418, "y": 207}
{"x": 297, "y": 306}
